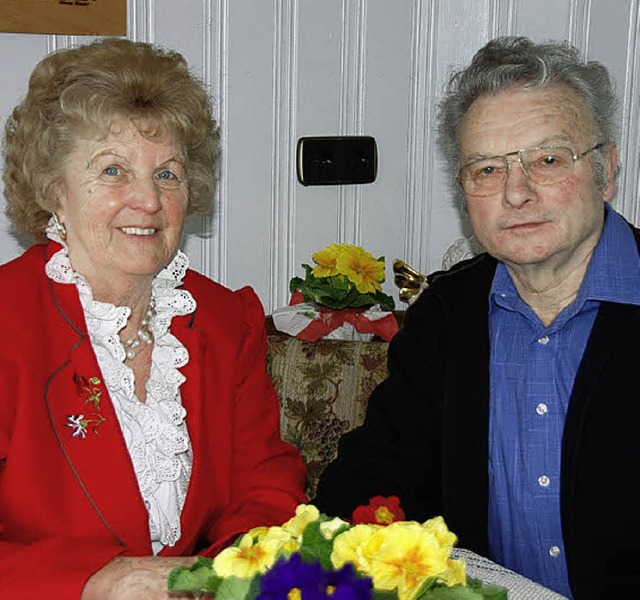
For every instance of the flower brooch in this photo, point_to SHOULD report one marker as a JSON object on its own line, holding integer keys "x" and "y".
{"x": 90, "y": 390}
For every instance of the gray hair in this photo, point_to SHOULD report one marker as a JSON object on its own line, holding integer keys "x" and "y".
{"x": 508, "y": 62}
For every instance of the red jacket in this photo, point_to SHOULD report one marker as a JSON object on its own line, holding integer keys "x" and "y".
{"x": 68, "y": 504}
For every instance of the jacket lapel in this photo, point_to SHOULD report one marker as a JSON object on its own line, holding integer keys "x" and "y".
{"x": 615, "y": 330}
{"x": 466, "y": 408}
{"x": 191, "y": 393}
{"x": 612, "y": 338}
{"x": 87, "y": 429}
{"x": 467, "y": 422}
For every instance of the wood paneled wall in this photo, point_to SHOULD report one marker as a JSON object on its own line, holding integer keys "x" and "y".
{"x": 282, "y": 69}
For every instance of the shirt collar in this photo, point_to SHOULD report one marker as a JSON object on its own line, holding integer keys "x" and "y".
{"x": 613, "y": 274}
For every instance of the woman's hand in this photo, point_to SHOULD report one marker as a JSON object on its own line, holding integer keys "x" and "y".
{"x": 135, "y": 578}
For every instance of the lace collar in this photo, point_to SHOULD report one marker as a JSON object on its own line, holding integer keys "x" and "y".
{"x": 105, "y": 320}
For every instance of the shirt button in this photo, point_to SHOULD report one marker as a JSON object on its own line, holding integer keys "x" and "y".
{"x": 554, "y": 551}
{"x": 544, "y": 481}
{"x": 544, "y": 340}
{"x": 542, "y": 409}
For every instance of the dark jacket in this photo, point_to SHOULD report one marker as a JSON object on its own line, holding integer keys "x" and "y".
{"x": 425, "y": 436}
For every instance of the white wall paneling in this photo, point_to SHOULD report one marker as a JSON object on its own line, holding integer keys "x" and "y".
{"x": 285, "y": 73}
{"x": 622, "y": 54}
{"x": 352, "y": 81}
{"x": 282, "y": 69}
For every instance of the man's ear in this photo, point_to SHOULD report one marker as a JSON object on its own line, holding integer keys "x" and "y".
{"x": 612, "y": 163}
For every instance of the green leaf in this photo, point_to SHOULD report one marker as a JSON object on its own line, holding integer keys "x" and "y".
{"x": 493, "y": 592}
{"x": 295, "y": 284}
{"x": 336, "y": 292}
{"x": 315, "y": 546}
{"x": 384, "y": 595}
{"x": 473, "y": 591}
{"x": 443, "y": 592}
{"x": 385, "y": 301}
{"x": 490, "y": 592}
{"x": 197, "y": 577}
{"x": 238, "y": 588}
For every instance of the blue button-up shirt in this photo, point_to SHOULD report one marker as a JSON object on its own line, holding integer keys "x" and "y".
{"x": 532, "y": 371}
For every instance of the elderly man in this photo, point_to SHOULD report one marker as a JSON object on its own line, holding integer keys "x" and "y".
{"x": 511, "y": 407}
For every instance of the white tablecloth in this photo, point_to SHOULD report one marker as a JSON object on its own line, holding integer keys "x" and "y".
{"x": 519, "y": 587}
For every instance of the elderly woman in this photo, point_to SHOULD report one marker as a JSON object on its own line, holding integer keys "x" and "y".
{"x": 137, "y": 422}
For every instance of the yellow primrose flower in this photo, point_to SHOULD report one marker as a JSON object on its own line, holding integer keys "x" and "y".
{"x": 353, "y": 546}
{"x": 407, "y": 555}
{"x": 344, "y": 276}
{"x": 305, "y": 514}
{"x": 258, "y": 533}
{"x": 456, "y": 573}
{"x": 361, "y": 268}
{"x": 326, "y": 260}
{"x": 292, "y": 545}
{"x": 328, "y": 528}
{"x": 439, "y": 528}
{"x": 251, "y": 556}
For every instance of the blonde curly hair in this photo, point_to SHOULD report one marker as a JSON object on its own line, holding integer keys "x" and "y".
{"x": 85, "y": 90}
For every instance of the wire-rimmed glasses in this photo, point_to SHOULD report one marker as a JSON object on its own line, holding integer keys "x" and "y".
{"x": 545, "y": 165}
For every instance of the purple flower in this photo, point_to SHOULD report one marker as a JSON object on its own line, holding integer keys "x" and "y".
{"x": 312, "y": 581}
{"x": 286, "y": 575}
{"x": 348, "y": 585}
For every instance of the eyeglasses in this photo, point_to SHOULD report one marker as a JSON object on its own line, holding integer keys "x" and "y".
{"x": 544, "y": 165}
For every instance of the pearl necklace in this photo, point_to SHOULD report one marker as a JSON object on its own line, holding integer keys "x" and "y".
{"x": 144, "y": 335}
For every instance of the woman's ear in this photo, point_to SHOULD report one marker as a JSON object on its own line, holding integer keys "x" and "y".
{"x": 54, "y": 196}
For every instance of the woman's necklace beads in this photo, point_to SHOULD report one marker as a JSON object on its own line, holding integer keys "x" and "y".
{"x": 144, "y": 335}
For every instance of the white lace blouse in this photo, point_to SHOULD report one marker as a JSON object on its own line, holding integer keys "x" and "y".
{"x": 155, "y": 431}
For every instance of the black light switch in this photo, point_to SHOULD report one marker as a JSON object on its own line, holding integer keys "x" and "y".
{"x": 337, "y": 160}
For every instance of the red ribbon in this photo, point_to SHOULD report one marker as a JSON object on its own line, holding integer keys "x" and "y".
{"x": 385, "y": 327}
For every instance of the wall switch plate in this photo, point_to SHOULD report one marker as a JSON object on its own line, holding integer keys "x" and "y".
{"x": 337, "y": 160}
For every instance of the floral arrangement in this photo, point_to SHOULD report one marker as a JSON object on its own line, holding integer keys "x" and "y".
{"x": 345, "y": 276}
{"x": 378, "y": 556}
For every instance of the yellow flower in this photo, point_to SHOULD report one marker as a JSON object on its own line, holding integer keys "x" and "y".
{"x": 305, "y": 514}
{"x": 439, "y": 528}
{"x": 456, "y": 573}
{"x": 326, "y": 260}
{"x": 328, "y": 528}
{"x": 257, "y": 533}
{"x": 251, "y": 556}
{"x": 353, "y": 546}
{"x": 291, "y": 545}
{"x": 361, "y": 268}
{"x": 407, "y": 555}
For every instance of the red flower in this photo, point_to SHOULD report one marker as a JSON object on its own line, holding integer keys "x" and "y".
{"x": 90, "y": 389}
{"x": 380, "y": 511}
